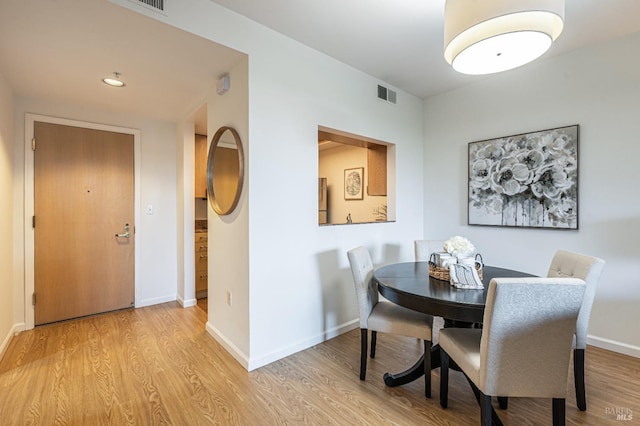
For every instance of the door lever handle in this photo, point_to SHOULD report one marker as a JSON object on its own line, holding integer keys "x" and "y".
{"x": 126, "y": 232}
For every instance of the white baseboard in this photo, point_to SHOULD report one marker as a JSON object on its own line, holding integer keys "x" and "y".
{"x": 235, "y": 352}
{"x": 19, "y": 327}
{"x": 5, "y": 344}
{"x": 253, "y": 363}
{"x": 614, "y": 346}
{"x": 7, "y": 340}
{"x": 187, "y": 303}
{"x": 257, "y": 362}
{"x": 156, "y": 301}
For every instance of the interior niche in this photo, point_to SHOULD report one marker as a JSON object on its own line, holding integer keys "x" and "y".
{"x": 353, "y": 178}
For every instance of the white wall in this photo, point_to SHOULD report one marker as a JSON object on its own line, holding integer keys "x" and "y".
{"x": 6, "y": 218}
{"x": 597, "y": 88}
{"x": 155, "y": 234}
{"x": 228, "y": 235}
{"x": 185, "y": 190}
{"x": 299, "y": 289}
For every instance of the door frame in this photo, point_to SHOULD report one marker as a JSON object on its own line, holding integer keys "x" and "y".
{"x": 29, "y": 232}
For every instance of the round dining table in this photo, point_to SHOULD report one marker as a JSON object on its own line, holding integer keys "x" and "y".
{"x": 409, "y": 285}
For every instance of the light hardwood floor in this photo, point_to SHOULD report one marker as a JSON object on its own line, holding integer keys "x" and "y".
{"x": 158, "y": 366}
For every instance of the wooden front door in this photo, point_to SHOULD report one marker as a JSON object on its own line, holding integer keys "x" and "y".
{"x": 83, "y": 197}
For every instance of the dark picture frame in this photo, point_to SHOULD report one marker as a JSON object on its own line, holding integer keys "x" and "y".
{"x": 354, "y": 183}
{"x": 528, "y": 180}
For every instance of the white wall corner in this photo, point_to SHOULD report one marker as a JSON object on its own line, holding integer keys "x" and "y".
{"x": 187, "y": 303}
{"x": 235, "y": 352}
{"x": 17, "y": 328}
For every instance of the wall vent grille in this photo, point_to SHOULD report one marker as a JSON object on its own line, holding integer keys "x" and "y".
{"x": 386, "y": 94}
{"x": 157, "y": 5}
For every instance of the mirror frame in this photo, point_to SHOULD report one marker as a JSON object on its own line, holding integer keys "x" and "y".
{"x": 212, "y": 195}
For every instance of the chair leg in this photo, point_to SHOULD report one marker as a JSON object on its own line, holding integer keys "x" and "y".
{"x": 486, "y": 411}
{"x": 363, "y": 353}
{"x": 559, "y": 411}
{"x": 503, "y": 402}
{"x": 480, "y": 396}
{"x": 374, "y": 339}
{"x": 444, "y": 378}
{"x": 578, "y": 377}
{"x": 427, "y": 368}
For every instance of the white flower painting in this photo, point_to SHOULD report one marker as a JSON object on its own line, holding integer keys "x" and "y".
{"x": 528, "y": 180}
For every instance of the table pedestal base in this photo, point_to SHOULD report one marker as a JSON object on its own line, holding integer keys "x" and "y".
{"x": 417, "y": 370}
{"x": 414, "y": 372}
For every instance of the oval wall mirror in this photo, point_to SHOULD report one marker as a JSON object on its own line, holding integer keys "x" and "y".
{"x": 225, "y": 170}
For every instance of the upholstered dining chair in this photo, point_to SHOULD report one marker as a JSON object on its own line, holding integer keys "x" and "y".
{"x": 384, "y": 316}
{"x": 424, "y": 248}
{"x": 524, "y": 347}
{"x": 589, "y": 269}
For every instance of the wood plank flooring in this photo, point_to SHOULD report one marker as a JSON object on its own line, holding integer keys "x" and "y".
{"x": 158, "y": 366}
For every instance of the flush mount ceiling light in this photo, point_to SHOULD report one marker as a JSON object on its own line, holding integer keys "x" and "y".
{"x": 115, "y": 81}
{"x": 489, "y": 36}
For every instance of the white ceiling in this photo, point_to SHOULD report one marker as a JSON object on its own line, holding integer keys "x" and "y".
{"x": 61, "y": 49}
{"x": 401, "y": 41}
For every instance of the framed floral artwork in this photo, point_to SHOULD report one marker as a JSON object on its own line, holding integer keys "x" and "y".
{"x": 525, "y": 181}
{"x": 353, "y": 183}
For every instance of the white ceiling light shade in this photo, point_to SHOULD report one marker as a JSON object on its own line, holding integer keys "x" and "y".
{"x": 114, "y": 81}
{"x": 489, "y": 36}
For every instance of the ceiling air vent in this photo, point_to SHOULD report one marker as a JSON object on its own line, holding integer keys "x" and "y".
{"x": 157, "y": 5}
{"x": 386, "y": 94}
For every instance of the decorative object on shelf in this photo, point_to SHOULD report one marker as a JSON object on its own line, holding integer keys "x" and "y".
{"x": 380, "y": 213}
{"x": 484, "y": 37}
{"x": 526, "y": 181}
{"x": 354, "y": 183}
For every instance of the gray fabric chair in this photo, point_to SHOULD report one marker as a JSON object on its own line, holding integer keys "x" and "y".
{"x": 424, "y": 248}
{"x": 524, "y": 347}
{"x": 381, "y": 315}
{"x": 589, "y": 269}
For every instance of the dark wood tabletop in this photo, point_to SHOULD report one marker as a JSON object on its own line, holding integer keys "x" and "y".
{"x": 409, "y": 285}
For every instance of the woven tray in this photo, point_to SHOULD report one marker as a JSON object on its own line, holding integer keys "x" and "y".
{"x": 440, "y": 273}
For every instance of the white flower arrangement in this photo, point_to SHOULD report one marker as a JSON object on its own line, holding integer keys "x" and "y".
{"x": 459, "y": 247}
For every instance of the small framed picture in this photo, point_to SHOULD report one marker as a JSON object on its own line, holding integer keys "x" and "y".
{"x": 354, "y": 183}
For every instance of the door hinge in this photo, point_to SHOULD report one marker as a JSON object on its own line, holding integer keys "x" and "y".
{"x": 33, "y": 299}
{"x": 33, "y": 144}
{"x": 33, "y": 222}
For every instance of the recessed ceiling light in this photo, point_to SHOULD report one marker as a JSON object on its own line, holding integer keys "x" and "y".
{"x": 114, "y": 81}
